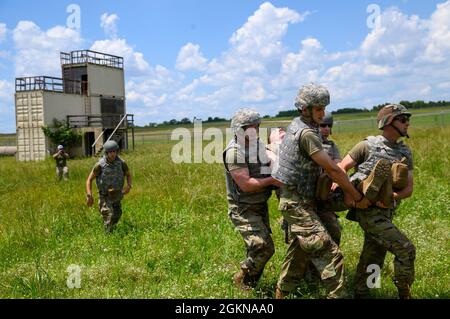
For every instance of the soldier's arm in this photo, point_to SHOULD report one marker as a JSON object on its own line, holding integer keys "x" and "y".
{"x": 128, "y": 187}
{"x": 89, "y": 197}
{"x": 347, "y": 163}
{"x": 340, "y": 177}
{"x": 55, "y": 155}
{"x": 249, "y": 184}
{"x": 407, "y": 191}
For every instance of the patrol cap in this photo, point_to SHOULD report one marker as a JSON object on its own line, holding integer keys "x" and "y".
{"x": 60, "y": 147}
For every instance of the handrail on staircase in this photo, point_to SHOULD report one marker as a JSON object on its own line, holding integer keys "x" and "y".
{"x": 112, "y": 134}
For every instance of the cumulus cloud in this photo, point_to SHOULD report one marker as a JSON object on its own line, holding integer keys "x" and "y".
{"x": 190, "y": 58}
{"x": 109, "y": 24}
{"x": 37, "y": 51}
{"x": 134, "y": 61}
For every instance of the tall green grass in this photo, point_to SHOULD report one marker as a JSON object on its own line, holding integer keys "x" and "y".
{"x": 175, "y": 240}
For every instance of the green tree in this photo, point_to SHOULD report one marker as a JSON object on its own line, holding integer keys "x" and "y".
{"x": 60, "y": 133}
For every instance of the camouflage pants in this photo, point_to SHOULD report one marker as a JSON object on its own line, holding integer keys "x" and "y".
{"x": 381, "y": 236}
{"x": 252, "y": 222}
{"x": 310, "y": 241}
{"x": 62, "y": 172}
{"x": 111, "y": 212}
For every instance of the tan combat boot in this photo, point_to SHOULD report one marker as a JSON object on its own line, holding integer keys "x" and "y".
{"x": 371, "y": 186}
{"x": 239, "y": 280}
{"x": 279, "y": 294}
{"x": 404, "y": 293}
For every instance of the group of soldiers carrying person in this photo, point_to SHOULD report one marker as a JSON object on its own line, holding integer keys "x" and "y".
{"x": 312, "y": 185}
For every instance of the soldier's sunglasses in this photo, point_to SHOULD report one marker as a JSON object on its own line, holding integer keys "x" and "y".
{"x": 325, "y": 125}
{"x": 402, "y": 119}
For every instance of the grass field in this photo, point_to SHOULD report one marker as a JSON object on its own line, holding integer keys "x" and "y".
{"x": 175, "y": 240}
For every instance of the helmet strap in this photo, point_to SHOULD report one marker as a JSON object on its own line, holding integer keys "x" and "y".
{"x": 398, "y": 130}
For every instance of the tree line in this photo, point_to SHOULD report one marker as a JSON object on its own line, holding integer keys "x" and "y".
{"x": 292, "y": 113}
{"x": 346, "y": 110}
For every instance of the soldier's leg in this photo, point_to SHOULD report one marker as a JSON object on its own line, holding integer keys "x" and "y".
{"x": 116, "y": 214}
{"x": 372, "y": 254}
{"x": 106, "y": 212}
{"x": 65, "y": 173}
{"x": 314, "y": 240}
{"x": 252, "y": 223}
{"x": 378, "y": 226}
{"x": 58, "y": 173}
{"x": 331, "y": 223}
{"x": 293, "y": 267}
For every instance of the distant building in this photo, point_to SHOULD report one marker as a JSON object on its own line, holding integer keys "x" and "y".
{"x": 90, "y": 96}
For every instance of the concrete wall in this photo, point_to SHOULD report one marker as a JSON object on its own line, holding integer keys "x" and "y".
{"x": 106, "y": 81}
{"x": 59, "y": 105}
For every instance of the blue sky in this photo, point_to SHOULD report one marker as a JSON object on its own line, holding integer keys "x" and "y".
{"x": 209, "y": 58}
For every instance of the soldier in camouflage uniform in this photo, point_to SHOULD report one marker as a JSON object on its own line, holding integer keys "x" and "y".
{"x": 301, "y": 161}
{"x": 248, "y": 183}
{"x": 380, "y": 234}
{"x": 61, "y": 158}
{"x": 109, "y": 172}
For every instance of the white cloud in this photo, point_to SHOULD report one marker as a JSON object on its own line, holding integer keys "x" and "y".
{"x": 134, "y": 61}
{"x": 261, "y": 34}
{"x": 38, "y": 51}
{"x": 109, "y": 24}
{"x": 190, "y": 58}
{"x": 438, "y": 46}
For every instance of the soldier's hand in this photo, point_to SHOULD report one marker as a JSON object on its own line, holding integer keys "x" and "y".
{"x": 363, "y": 204}
{"x": 127, "y": 189}
{"x": 89, "y": 200}
{"x": 334, "y": 186}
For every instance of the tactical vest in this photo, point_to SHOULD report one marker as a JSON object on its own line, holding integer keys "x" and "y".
{"x": 111, "y": 175}
{"x": 61, "y": 161}
{"x": 233, "y": 190}
{"x": 328, "y": 147}
{"x": 379, "y": 147}
{"x": 295, "y": 167}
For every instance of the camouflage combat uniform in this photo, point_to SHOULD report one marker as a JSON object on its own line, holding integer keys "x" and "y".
{"x": 380, "y": 234}
{"x": 61, "y": 167}
{"x": 249, "y": 211}
{"x": 310, "y": 240}
{"x": 110, "y": 180}
{"x": 329, "y": 217}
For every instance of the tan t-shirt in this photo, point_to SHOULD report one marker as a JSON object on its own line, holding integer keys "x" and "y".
{"x": 234, "y": 159}
{"x": 310, "y": 142}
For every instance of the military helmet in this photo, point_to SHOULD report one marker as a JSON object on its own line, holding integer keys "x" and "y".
{"x": 312, "y": 95}
{"x": 328, "y": 118}
{"x": 60, "y": 147}
{"x": 387, "y": 114}
{"x": 110, "y": 146}
{"x": 245, "y": 117}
